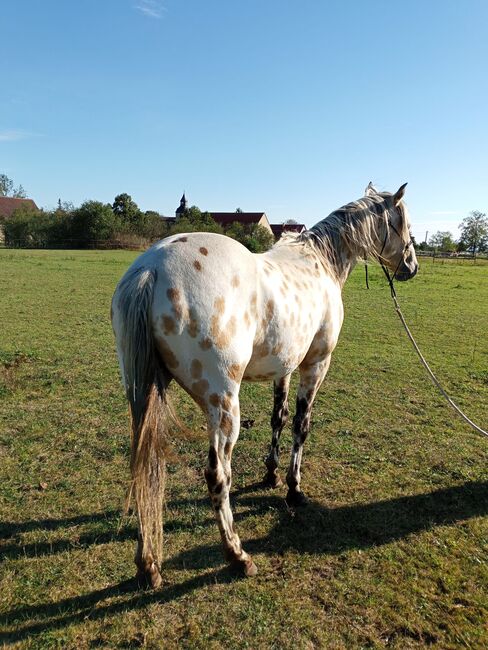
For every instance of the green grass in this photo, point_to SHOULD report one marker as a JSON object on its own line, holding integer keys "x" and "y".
{"x": 390, "y": 553}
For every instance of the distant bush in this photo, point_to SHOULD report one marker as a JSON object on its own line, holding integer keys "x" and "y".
{"x": 254, "y": 237}
{"x": 28, "y": 228}
{"x": 194, "y": 220}
{"x": 93, "y": 222}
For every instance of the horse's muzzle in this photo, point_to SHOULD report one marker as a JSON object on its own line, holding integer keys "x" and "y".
{"x": 406, "y": 274}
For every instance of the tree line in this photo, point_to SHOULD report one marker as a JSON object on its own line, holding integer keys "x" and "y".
{"x": 473, "y": 239}
{"x": 121, "y": 224}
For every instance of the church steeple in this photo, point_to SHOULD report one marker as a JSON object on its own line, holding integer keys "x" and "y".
{"x": 183, "y": 207}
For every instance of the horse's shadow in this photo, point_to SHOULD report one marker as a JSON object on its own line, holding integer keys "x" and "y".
{"x": 315, "y": 529}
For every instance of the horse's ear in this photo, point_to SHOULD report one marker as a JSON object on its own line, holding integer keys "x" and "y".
{"x": 370, "y": 190}
{"x": 398, "y": 196}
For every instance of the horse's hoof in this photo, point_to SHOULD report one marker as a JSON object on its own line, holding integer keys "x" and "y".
{"x": 149, "y": 579}
{"x": 272, "y": 481}
{"x": 245, "y": 568}
{"x": 296, "y": 499}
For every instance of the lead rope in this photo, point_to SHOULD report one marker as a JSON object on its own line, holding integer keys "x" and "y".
{"x": 421, "y": 357}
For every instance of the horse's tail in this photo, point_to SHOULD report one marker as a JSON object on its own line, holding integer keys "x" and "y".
{"x": 146, "y": 379}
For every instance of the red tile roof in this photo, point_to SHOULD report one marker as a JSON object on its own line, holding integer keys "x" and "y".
{"x": 279, "y": 228}
{"x": 8, "y": 205}
{"x": 226, "y": 218}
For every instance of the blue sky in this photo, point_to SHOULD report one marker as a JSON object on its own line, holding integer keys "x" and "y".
{"x": 276, "y": 105}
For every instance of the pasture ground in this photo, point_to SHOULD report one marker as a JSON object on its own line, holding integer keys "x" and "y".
{"x": 391, "y": 552}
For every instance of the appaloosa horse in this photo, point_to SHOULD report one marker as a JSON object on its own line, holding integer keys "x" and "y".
{"x": 201, "y": 309}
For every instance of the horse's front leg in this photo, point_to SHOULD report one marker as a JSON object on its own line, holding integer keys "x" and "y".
{"x": 223, "y": 422}
{"x": 311, "y": 378}
{"x": 278, "y": 421}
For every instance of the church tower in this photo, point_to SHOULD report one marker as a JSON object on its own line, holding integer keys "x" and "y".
{"x": 183, "y": 207}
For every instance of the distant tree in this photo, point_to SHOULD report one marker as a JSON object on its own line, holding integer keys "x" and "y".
{"x": 154, "y": 225}
{"x": 24, "y": 228}
{"x": 260, "y": 240}
{"x": 474, "y": 232}
{"x": 194, "y": 220}
{"x": 239, "y": 210}
{"x": 93, "y": 222}
{"x": 443, "y": 241}
{"x": 128, "y": 212}
{"x": 152, "y": 213}
{"x": 290, "y": 222}
{"x": 255, "y": 237}
{"x": 19, "y": 193}
{"x": 236, "y": 230}
{"x": 64, "y": 207}
{"x": 7, "y": 188}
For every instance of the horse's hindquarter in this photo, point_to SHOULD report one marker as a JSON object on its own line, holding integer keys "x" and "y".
{"x": 204, "y": 296}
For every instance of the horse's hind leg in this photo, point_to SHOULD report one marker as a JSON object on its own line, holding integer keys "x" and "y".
{"x": 223, "y": 421}
{"x": 278, "y": 420}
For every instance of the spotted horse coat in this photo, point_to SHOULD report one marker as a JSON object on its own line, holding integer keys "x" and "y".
{"x": 201, "y": 309}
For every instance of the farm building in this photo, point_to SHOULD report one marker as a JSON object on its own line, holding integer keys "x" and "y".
{"x": 8, "y": 205}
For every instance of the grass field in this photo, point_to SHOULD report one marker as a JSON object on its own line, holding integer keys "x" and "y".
{"x": 390, "y": 553}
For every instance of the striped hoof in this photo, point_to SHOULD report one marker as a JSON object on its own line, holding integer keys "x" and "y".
{"x": 149, "y": 579}
{"x": 245, "y": 568}
{"x": 296, "y": 499}
{"x": 272, "y": 480}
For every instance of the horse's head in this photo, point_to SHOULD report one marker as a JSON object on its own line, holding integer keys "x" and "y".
{"x": 396, "y": 249}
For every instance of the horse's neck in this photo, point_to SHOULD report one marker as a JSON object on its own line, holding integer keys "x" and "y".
{"x": 340, "y": 249}
{"x": 344, "y": 262}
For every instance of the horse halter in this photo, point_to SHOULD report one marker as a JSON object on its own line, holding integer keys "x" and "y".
{"x": 385, "y": 270}
{"x": 407, "y": 245}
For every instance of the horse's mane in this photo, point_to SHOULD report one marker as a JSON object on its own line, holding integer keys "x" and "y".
{"x": 352, "y": 229}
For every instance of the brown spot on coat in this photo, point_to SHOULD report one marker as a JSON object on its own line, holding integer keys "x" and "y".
{"x": 175, "y": 298}
{"x": 168, "y": 355}
{"x": 270, "y": 309}
{"x": 193, "y": 324}
{"x": 235, "y": 371}
{"x": 276, "y": 349}
{"x": 181, "y": 239}
{"x": 214, "y": 400}
{"x": 196, "y": 369}
{"x": 205, "y": 344}
{"x": 247, "y": 319}
{"x": 197, "y": 265}
{"x": 235, "y": 281}
{"x": 227, "y": 402}
{"x": 203, "y": 250}
{"x": 254, "y": 300}
{"x": 261, "y": 350}
{"x": 200, "y": 387}
{"x": 226, "y": 424}
{"x": 219, "y": 305}
{"x": 169, "y": 325}
{"x": 222, "y": 336}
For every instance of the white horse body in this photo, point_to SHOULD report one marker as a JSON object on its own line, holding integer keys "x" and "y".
{"x": 227, "y": 307}
{"x": 202, "y": 309}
